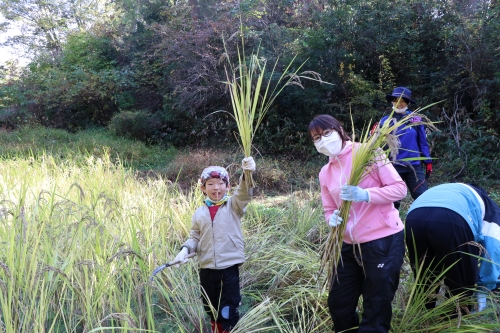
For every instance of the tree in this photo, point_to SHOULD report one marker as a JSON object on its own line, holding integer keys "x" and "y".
{"x": 44, "y": 24}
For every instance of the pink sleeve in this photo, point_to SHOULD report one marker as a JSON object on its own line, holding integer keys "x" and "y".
{"x": 329, "y": 204}
{"x": 392, "y": 187}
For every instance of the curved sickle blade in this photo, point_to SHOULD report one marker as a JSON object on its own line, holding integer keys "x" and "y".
{"x": 156, "y": 271}
{"x": 162, "y": 267}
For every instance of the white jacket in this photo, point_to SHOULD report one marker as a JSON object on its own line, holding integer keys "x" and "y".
{"x": 219, "y": 243}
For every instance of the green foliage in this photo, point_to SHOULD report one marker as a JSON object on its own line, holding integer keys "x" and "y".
{"x": 78, "y": 90}
{"x": 164, "y": 59}
{"x": 88, "y": 51}
{"x": 34, "y": 143}
{"x": 135, "y": 125}
{"x": 468, "y": 154}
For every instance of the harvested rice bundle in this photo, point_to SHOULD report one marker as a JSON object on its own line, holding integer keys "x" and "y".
{"x": 252, "y": 92}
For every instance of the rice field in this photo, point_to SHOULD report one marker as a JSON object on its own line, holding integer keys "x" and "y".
{"x": 80, "y": 239}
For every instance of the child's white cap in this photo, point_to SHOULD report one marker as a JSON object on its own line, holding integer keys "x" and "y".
{"x": 214, "y": 172}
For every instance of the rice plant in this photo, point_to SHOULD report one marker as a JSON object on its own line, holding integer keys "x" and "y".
{"x": 251, "y": 96}
{"x": 79, "y": 242}
{"x": 450, "y": 313}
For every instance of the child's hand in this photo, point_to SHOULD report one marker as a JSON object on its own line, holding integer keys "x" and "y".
{"x": 181, "y": 257}
{"x": 248, "y": 164}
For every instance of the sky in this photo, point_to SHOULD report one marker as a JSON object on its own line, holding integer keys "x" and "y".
{"x": 8, "y": 53}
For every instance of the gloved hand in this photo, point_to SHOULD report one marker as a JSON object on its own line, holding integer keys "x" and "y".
{"x": 428, "y": 170}
{"x": 248, "y": 164}
{"x": 181, "y": 257}
{"x": 481, "y": 301}
{"x": 353, "y": 193}
{"x": 335, "y": 219}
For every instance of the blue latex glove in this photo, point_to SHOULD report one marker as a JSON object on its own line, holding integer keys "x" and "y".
{"x": 335, "y": 219}
{"x": 353, "y": 193}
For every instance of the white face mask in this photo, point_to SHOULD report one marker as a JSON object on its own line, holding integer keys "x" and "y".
{"x": 329, "y": 145}
{"x": 402, "y": 110}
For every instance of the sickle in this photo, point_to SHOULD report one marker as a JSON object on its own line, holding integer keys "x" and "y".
{"x": 168, "y": 264}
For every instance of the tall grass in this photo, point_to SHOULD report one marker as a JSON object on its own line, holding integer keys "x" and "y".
{"x": 451, "y": 313}
{"x": 33, "y": 142}
{"x": 79, "y": 240}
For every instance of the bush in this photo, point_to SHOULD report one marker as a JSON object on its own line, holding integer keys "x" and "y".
{"x": 35, "y": 142}
{"x": 467, "y": 154}
{"x": 135, "y": 125}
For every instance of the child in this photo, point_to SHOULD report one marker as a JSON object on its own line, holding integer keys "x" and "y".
{"x": 217, "y": 238}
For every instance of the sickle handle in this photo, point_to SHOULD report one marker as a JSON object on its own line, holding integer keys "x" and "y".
{"x": 162, "y": 267}
{"x": 178, "y": 261}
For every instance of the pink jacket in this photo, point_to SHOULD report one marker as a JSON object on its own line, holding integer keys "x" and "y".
{"x": 367, "y": 221}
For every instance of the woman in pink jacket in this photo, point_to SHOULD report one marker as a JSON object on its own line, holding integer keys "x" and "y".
{"x": 373, "y": 248}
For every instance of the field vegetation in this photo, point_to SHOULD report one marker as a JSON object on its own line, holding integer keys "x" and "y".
{"x": 106, "y": 129}
{"x": 85, "y": 218}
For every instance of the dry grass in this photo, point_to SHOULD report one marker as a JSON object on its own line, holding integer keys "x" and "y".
{"x": 273, "y": 175}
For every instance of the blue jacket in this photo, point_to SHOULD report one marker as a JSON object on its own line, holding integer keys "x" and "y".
{"x": 413, "y": 140}
{"x": 485, "y": 225}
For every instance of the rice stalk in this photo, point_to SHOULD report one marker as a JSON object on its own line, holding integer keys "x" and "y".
{"x": 451, "y": 313}
{"x": 261, "y": 318}
{"x": 5, "y": 269}
{"x": 367, "y": 157}
{"x": 252, "y": 94}
{"x": 125, "y": 317}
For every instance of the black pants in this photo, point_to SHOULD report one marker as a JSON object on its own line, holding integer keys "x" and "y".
{"x": 222, "y": 287}
{"x": 377, "y": 280}
{"x": 414, "y": 179}
{"x": 437, "y": 238}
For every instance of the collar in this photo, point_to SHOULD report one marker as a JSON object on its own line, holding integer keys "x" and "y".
{"x": 398, "y": 116}
{"x": 210, "y": 203}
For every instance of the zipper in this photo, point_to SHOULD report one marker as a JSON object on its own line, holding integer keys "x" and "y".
{"x": 213, "y": 237}
{"x": 213, "y": 232}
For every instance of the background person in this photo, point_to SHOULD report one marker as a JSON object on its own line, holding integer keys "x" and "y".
{"x": 442, "y": 225}
{"x": 373, "y": 236}
{"x": 413, "y": 144}
{"x": 217, "y": 238}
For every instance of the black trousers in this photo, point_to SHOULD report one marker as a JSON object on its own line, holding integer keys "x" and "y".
{"x": 437, "y": 238}
{"x": 414, "y": 179}
{"x": 376, "y": 280}
{"x": 222, "y": 288}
